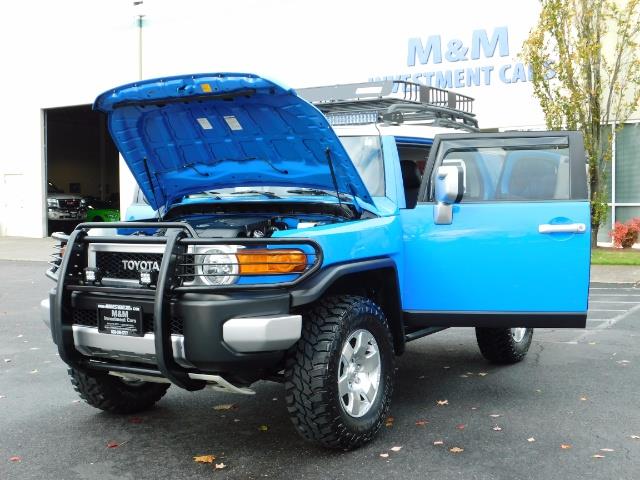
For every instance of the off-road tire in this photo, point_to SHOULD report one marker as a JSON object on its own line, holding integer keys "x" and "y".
{"x": 499, "y": 346}
{"x": 112, "y": 394}
{"x": 312, "y": 366}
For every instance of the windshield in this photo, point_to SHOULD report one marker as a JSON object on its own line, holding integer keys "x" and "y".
{"x": 366, "y": 155}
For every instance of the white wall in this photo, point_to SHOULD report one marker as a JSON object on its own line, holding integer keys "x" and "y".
{"x": 66, "y": 53}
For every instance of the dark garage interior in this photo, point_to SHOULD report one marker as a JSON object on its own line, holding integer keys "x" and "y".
{"x": 81, "y": 165}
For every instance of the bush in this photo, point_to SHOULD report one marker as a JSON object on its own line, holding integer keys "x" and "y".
{"x": 624, "y": 235}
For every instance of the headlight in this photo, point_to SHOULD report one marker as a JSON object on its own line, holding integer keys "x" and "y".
{"x": 218, "y": 265}
{"x": 52, "y": 202}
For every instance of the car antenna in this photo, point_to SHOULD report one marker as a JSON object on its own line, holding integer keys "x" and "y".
{"x": 153, "y": 191}
{"x": 333, "y": 175}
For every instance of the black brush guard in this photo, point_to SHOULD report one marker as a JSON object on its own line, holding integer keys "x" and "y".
{"x": 179, "y": 236}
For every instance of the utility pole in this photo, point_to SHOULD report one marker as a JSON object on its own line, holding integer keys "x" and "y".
{"x": 139, "y": 21}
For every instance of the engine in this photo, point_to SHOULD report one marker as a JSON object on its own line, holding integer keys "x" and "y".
{"x": 238, "y": 226}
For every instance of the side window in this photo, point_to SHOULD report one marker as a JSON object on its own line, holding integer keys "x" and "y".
{"x": 415, "y": 153}
{"x": 513, "y": 174}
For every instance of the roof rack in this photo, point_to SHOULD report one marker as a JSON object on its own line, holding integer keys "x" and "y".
{"x": 392, "y": 102}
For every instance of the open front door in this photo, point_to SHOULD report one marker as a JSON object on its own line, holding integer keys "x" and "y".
{"x": 516, "y": 252}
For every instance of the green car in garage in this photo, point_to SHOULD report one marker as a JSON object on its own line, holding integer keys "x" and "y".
{"x": 100, "y": 211}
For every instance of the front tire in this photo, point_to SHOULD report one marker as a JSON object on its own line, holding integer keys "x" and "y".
{"x": 339, "y": 376}
{"x": 504, "y": 345}
{"x": 115, "y": 395}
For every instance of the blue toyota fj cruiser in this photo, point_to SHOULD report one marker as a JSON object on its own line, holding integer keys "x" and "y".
{"x": 308, "y": 248}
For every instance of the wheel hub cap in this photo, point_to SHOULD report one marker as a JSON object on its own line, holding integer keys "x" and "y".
{"x": 359, "y": 373}
{"x": 518, "y": 334}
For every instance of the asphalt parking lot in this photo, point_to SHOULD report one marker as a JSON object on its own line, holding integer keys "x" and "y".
{"x": 570, "y": 410}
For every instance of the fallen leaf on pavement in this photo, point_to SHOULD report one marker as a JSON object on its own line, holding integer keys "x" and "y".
{"x": 220, "y": 466}
{"x": 607, "y": 450}
{"x": 564, "y": 446}
{"x": 113, "y": 445}
{"x": 421, "y": 423}
{"x": 15, "y": 458}
{"x": 438, "y": 442}
{"x": 225, "y": 406}
{"x": 396, "y": 449}
{"x": 204, "y": 458}
{"x": 135, "y": 420}
{"x": 443, "y": 402}
{"x": 531, "y": 439}
{"x": 460, "y": 426}
{"x": 389, "y": 422}
{"x": 384, "y": 455}
{"x": 496, "y": 428}
{"x": 456, "y": 450}
{"x": 263, "y": 428}
{"x": 597, "y": 455}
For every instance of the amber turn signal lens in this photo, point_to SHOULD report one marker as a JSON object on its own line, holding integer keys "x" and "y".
{"x": 267, "y": 261}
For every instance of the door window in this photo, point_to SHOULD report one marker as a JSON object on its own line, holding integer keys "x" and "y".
{"x": 512, "y": 169}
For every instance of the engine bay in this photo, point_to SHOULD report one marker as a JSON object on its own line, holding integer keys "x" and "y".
{"x": 252, "y": 226}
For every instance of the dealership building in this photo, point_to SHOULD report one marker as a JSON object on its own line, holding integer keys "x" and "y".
{"x": 59, "y": 56}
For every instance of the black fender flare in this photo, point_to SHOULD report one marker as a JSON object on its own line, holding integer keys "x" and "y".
{"x": 314, "y": 287}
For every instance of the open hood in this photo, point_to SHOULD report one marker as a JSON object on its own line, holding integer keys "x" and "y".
{"x": 190, "y": 133}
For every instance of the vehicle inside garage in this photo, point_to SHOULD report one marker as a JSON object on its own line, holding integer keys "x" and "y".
{"x": 82, "y": 168}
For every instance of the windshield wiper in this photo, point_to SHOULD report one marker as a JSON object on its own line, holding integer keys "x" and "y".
{"x": 256, "y": 192}
{"x": 317, "y": 191}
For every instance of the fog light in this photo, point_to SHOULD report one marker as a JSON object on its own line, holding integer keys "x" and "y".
{"x": 148, "y": 277}
{"x": 91, "y": 275}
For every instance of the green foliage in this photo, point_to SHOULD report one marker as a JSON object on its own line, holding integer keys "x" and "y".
{"x": 585, "y": 58}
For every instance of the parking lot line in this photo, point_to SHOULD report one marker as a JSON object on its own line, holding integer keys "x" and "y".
{"x": 606, "y": 310}
{"x": 615, "y": 288}
{"x": 614, "y": 301}
{"x": 615, "y": 295}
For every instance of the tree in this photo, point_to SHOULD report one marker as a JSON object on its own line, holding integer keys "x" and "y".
{"x": 585, "y": 59}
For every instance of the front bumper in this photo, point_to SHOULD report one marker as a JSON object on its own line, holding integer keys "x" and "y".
{"x": 64, "y": 215}
{"x": 214, "y": 340}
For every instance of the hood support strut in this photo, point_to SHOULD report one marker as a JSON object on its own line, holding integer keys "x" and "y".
{"x": 333, "y": 175}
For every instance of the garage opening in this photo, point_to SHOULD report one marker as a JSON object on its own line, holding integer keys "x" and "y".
{"x": 82, "y": 168}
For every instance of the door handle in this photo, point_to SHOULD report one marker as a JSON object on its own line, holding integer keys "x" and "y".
{"x": 562, "y": 228}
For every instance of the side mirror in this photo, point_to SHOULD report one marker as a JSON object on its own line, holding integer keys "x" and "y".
{"x": 449, "y": 190}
